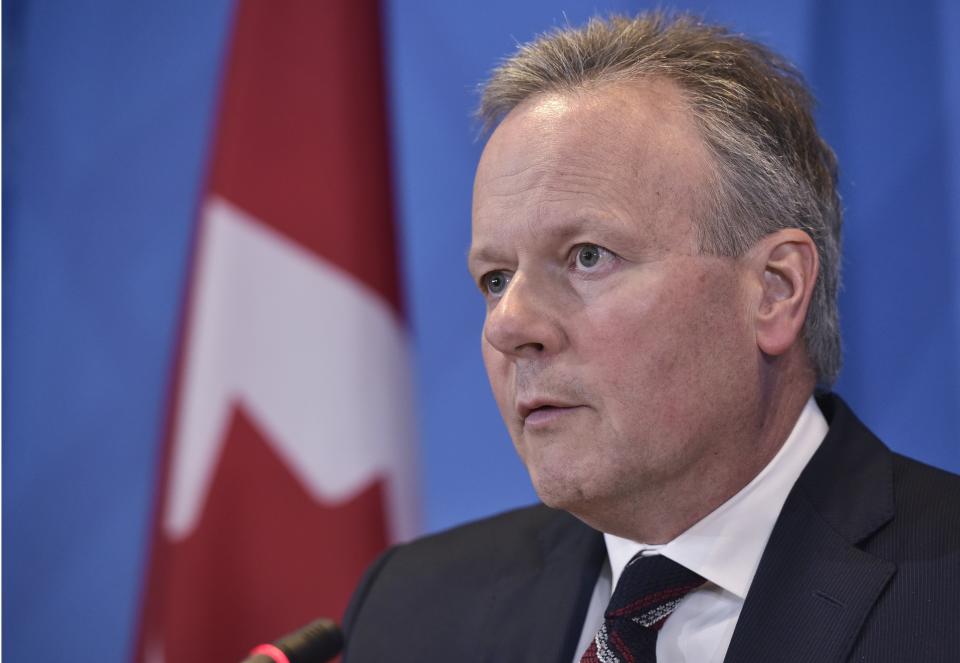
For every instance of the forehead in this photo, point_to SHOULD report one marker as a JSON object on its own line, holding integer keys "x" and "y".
{"x": 628, "y": 151}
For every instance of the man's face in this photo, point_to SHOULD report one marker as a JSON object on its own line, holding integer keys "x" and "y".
{"x": 619, "y": 356}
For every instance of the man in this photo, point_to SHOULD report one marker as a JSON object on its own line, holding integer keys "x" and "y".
{"x": 656, "y": 234}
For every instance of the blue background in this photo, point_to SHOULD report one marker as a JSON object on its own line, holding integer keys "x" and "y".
{"x": 107, "y": 117}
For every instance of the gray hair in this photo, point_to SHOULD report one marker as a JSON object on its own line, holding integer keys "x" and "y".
{"x": 754, "y": 113}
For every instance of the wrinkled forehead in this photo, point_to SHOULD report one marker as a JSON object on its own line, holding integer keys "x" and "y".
{"x": 633, "y": 147}
{"x": 611, "y": 114}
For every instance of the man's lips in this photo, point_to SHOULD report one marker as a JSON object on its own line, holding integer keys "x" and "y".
{"x": 541, "y": 411}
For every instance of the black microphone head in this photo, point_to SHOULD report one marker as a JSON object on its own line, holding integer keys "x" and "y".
{"x": 316, "y": 642}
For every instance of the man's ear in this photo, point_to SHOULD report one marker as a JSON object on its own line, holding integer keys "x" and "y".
{"x": 787, "y": 264}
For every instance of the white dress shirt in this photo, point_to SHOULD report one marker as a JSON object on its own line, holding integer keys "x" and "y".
{"x": 724, "y": 547}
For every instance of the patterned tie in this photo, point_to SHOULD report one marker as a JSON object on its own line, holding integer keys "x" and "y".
{"x": 648, "y": 591}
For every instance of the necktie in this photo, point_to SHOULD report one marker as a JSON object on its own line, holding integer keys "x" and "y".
{"x": 648, "y": 591}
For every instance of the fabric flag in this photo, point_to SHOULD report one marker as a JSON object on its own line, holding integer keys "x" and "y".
{"x": 287, "y": 458}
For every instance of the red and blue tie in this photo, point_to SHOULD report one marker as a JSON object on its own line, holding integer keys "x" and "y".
{"x": 649, "y": 590}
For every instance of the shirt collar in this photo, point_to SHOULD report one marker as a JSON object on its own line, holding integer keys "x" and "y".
{"x": 725, "y": 546}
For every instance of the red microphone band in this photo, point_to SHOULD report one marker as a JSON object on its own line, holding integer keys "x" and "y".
{"x": 271, "y": 651}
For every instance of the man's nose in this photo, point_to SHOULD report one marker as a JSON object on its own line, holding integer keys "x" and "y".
{"x": 523, "y": 322}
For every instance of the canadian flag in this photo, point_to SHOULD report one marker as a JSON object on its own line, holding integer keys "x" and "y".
{"x": 287, "y": 463}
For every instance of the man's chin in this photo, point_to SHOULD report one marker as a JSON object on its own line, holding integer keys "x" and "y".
{"x": 581, "y": 494}
{"x": 558, "y": 492}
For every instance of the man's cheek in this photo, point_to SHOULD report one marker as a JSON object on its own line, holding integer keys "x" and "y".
{"x": 499, "y": 374}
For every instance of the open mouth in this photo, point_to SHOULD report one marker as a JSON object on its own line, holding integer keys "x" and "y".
{"x": 546, "y": 414}
{"x": 546, "y": 408}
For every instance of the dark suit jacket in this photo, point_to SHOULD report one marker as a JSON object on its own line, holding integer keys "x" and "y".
{"x": 862, "y": 565}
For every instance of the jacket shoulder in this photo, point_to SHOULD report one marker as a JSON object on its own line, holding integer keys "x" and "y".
{"x": 927, "y": 502}
{"x": 438, "y": 580}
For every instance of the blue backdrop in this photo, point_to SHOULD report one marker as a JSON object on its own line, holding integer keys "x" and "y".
{"x": 106, "y": 123}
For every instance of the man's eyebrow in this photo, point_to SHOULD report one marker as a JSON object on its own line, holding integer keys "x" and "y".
{"x": 481, "y": 255}
{"x": 600, "y": 230}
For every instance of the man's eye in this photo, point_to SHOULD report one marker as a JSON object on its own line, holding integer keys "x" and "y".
{"x": 494, "y": 283}
{"x": 589, "y": 256}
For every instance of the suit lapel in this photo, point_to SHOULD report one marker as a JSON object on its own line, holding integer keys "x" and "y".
{"x": 814, "y": 587}
{"x": 536, "y": 614}
{"x": 809, "y": 600}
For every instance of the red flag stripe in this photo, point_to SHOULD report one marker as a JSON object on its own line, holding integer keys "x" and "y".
{"x": 302, "y": 141}
{"x": 301, "y": 146}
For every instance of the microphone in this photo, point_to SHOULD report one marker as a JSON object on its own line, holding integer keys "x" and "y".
{"x": 317, "y": 642}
